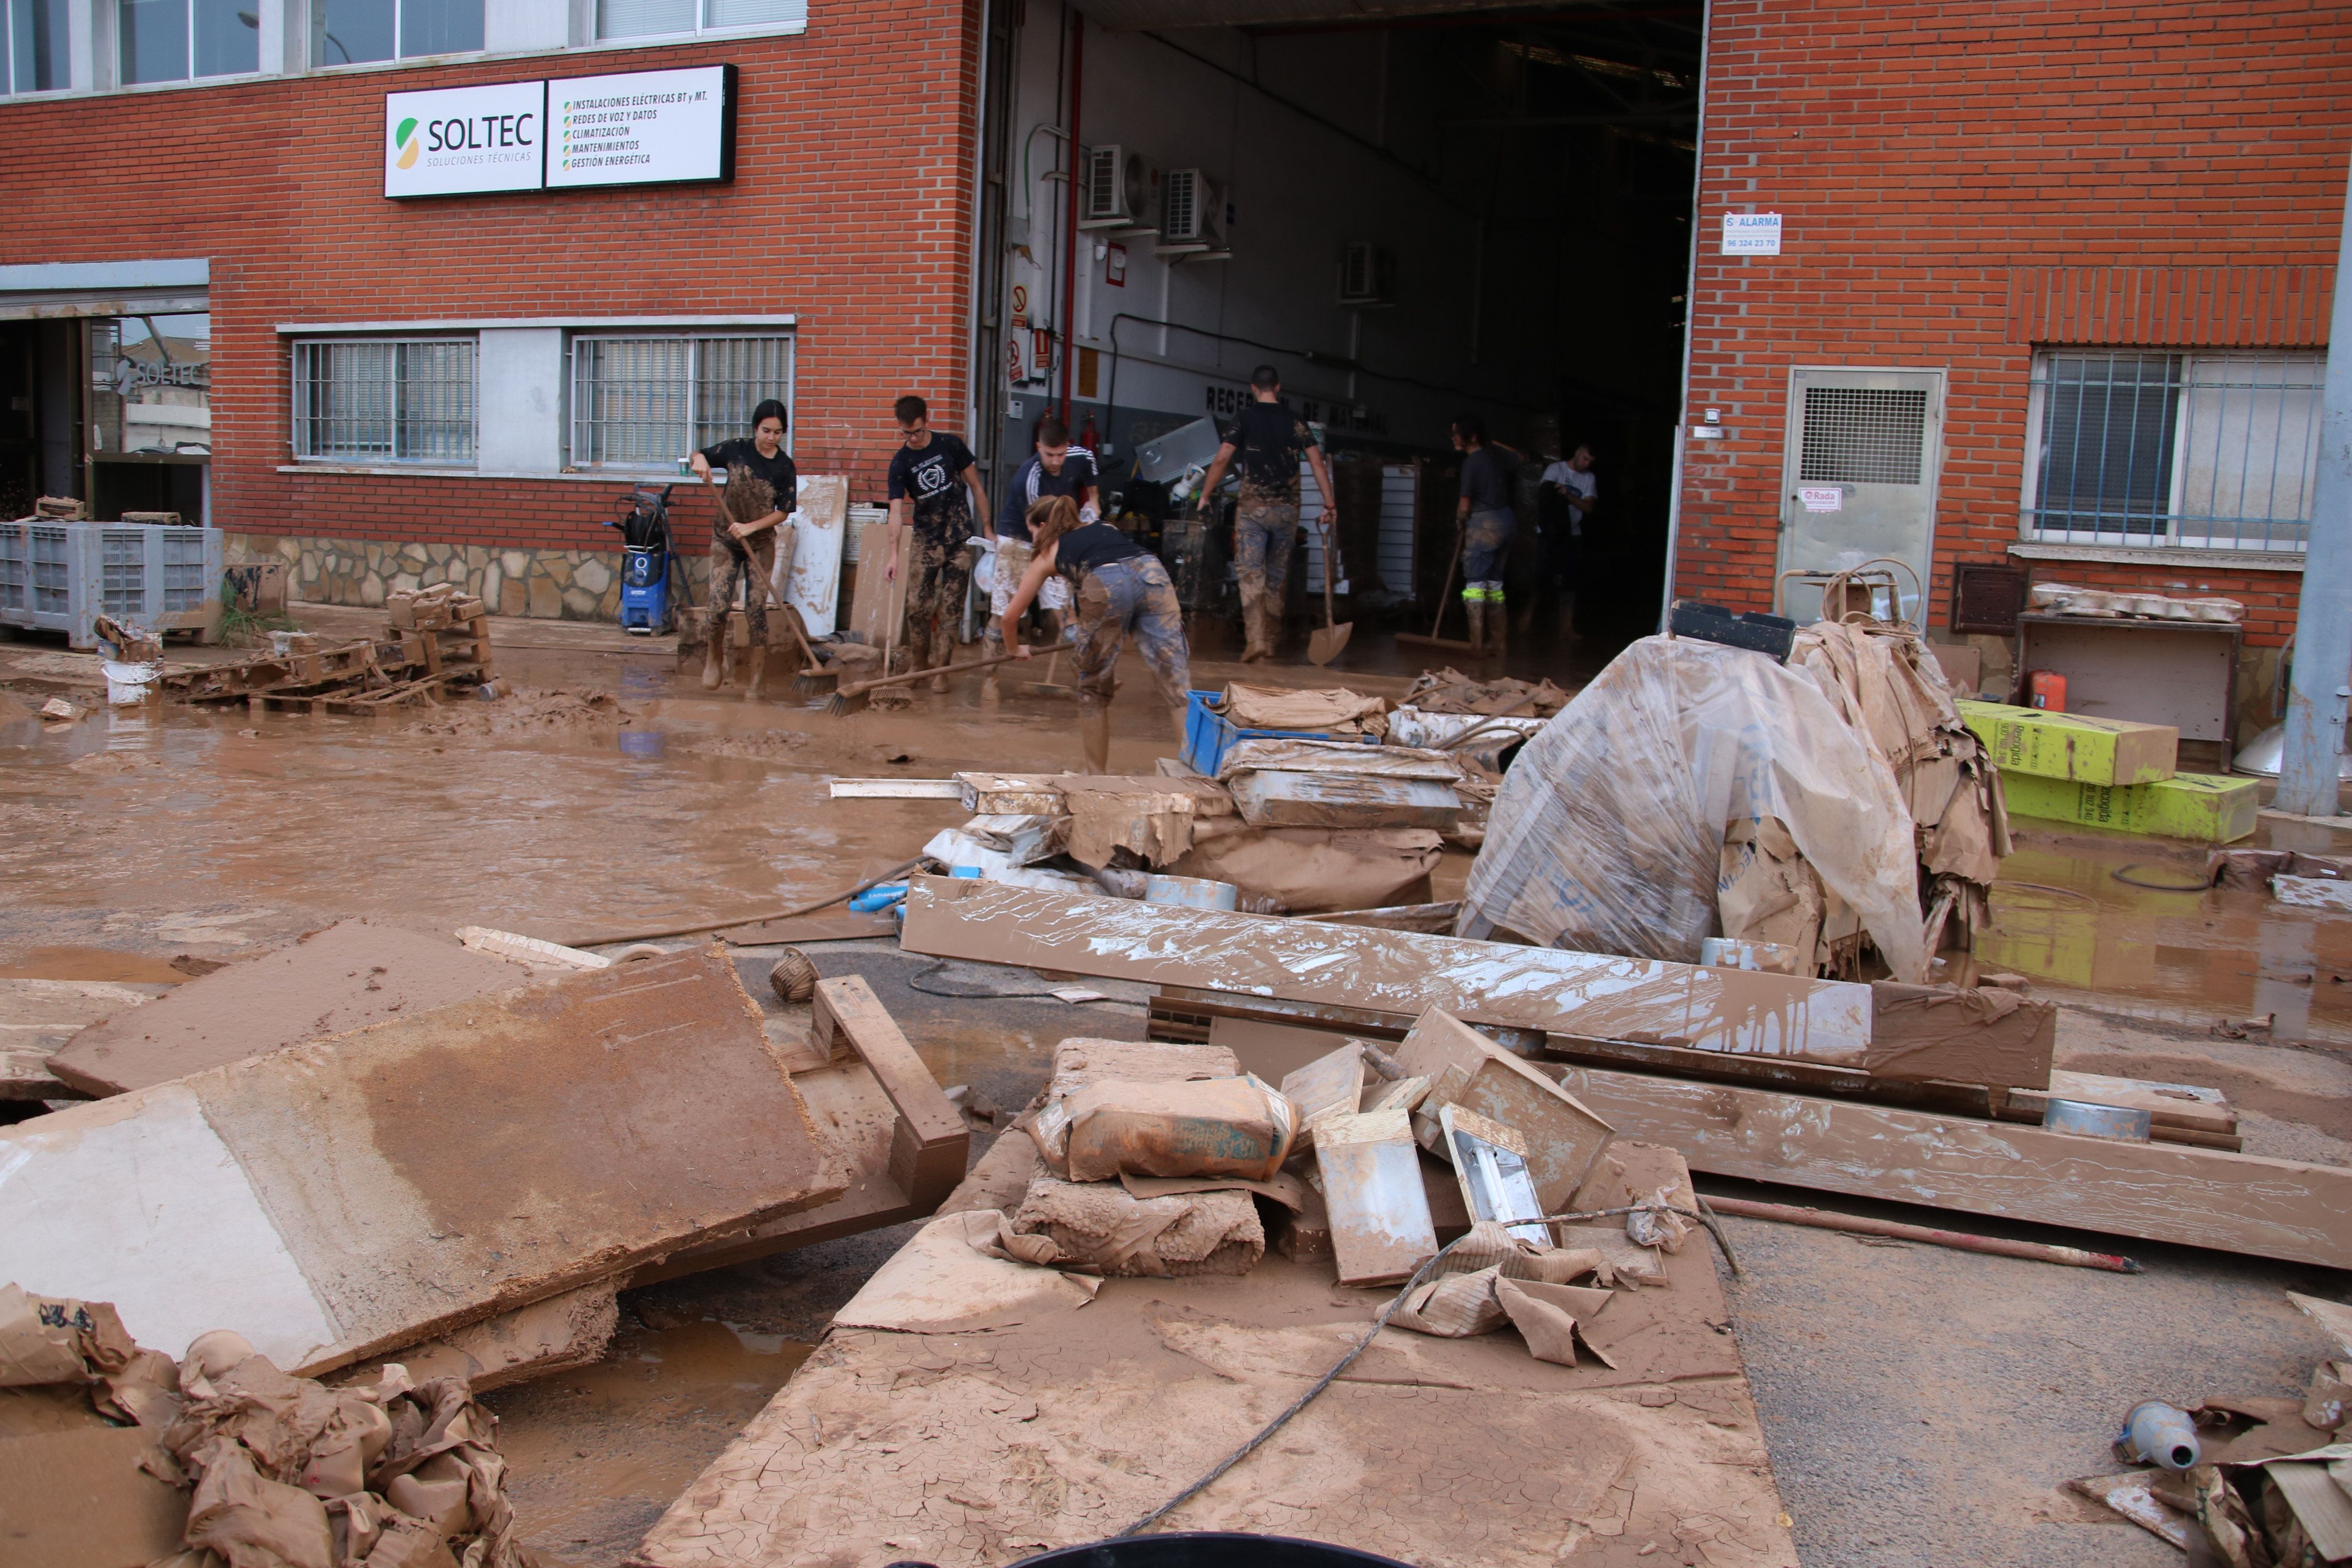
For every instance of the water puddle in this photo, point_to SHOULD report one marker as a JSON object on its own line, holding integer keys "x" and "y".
{"x": 88, "y": 963}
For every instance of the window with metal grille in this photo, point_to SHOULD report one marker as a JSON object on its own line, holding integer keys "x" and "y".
{"x": 385, "y": 400}
{"x": 1862, "y": 436}
{"x": 646, "y": 402}
{"x": 2206, "y": 450}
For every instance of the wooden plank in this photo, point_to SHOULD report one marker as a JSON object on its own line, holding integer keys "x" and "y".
{"x": 366, "y": 1190}
{"x": 354, "y": 974}
{"x": 1281, "y": 799}
{"x": 930, "y": 1143}
{"x": 893, "y": 789}
{"x": 2153, "y": 1192}
{"x": 1539, "y": 988}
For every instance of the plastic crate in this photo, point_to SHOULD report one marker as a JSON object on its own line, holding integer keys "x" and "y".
{"x": 60, "y": 576}
{"x": 1208, "y": 736}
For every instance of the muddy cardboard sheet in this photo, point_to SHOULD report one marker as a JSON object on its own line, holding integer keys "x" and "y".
{"x": 369, "y": 1190}
{"x": 981, "y": 1445}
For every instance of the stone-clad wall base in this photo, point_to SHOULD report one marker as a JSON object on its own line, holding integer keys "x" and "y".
{"x": 552, "y": 584}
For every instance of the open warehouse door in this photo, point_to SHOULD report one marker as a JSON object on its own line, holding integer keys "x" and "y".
{"x": 1435, "y": 211}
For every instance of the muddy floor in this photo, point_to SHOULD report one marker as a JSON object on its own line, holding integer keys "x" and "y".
{"x": 609, "y": 796}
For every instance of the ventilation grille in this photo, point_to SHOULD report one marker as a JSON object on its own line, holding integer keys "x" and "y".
{"x": 1183, "y": 221}
{"x": 1106, "y": 184}
{"x": 1862, "y": 436}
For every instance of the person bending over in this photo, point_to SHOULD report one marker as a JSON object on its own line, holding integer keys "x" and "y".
{"x": 1119, "y": 587}
{"x": 763, "y": 489}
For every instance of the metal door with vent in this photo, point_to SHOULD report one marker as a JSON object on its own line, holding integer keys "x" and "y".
{"x": 1858, "y": 478}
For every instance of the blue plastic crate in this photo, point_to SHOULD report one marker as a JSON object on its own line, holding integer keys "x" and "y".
{"x": 1208, "y": 736}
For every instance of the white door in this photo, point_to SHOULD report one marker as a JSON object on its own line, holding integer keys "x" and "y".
{"x": 1858, "y": 478}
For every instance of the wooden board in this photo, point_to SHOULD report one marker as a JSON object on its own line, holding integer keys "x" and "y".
{"x": 1536, "y": 988}
{"x": 354, "y": 972}
{"x": 875, "y": 601}
{"x": 2152, "y": 1192}
{"x": 370, "y": 1190}
{"x": 986, "y": 1444}
{"x": 37, "y": 1016}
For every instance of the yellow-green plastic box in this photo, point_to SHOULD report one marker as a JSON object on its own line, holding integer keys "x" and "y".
{"x": 2073, "y": 747}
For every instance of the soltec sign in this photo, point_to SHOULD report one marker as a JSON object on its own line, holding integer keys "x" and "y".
{"x": 461, "y": 141}
{"x": 640, "y": 128}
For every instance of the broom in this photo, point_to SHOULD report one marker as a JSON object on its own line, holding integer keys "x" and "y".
{"x": 858, "y": 690}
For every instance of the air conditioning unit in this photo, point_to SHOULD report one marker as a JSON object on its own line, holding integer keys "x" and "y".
{"x": 1121, "y": 189}
{"x": 1190, "y": 214}
{"x": 1367, "y": 275}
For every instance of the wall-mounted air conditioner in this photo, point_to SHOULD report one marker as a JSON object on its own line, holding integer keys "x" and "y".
{"x": 1367, "y": 275}
{"x": 1191, "y": 216}
{"x": 1121, "y": 189}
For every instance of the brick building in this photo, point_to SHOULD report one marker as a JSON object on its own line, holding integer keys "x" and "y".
{"x": 2103, "y": 239}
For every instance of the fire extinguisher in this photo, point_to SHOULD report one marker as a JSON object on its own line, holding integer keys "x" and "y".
{"x": 1089, "y": 437}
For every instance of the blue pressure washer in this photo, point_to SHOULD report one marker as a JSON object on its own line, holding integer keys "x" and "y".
{"x": 649, "y": 564}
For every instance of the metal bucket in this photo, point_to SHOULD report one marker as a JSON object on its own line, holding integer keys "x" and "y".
{"x": 1191, "y": 892}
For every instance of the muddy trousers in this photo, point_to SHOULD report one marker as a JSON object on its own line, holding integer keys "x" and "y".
{"x": 1123, "y": 596}
{"x": 1265, "y": 532}
{"x": 733, "y": 563}
{"x": 938, "y": 582}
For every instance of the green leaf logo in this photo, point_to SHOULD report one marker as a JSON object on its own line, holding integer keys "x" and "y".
{"x": 405, "y": 140}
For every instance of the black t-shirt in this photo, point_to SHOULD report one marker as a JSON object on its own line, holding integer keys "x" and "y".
{"x": 1486, "y": 479}
{"x": 1031, "y": 484}
{"x": 1096, "y": 544}
{"x": 933, "y": 480}
{"x": 1268, "y": 439}
{"x": 756, "y": 485}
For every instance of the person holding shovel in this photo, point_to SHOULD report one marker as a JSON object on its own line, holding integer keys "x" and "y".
{"x": 1120, "y": 587}
{"x": 763, "y": 489}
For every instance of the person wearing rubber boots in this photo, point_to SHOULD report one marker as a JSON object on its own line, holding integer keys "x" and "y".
{"x": 1119, "y": 588}
{"x": 931, "y": 473}
{"x": 1268, "y": 437}
{"x": 763, "y": 489}
{"x": 1484, "y": 516}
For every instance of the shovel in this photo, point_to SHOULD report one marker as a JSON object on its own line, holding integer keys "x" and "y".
{"x": 1324, "y": 644}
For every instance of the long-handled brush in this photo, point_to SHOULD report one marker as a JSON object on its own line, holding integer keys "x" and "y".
{"x": 857, "y": 691}
{"x": 814, "y": 675}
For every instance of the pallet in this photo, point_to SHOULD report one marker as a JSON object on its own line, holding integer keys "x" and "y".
{"x": 345, "y": 702}
{"x": 234, "y": 682}
{"x": 428, "y": 650}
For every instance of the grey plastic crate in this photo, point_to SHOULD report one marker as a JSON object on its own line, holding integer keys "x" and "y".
{"x": 60, "y": 576}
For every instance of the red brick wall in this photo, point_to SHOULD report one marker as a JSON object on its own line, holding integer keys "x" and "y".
{"x": 850, "y": 209}
{"x": 1932, "y": 163}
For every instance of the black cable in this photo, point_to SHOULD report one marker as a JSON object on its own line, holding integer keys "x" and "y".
{"x": 914, "y": 984}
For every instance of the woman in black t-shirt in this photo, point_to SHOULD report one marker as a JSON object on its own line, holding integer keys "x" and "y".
{"x": 763, "y": 489}
{"x": 1119, "y": 587}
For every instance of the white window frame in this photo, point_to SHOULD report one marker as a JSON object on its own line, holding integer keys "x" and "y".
{"x": 303, "y": 420}
{"x": 8, "y": 88}
{"x": 314, "y": 41}
{"x": 700, "y": 30}
{"x": 110, "y": 40}
{"x": 577, "y": 412}
{"x": 2203, "y": 534}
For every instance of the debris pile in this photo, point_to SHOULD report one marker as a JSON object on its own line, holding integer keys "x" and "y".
{"x": 1448, "y": 690}
{"x": 435, "y": 645}
{"x": 225, "y": 1454}
{"x": 2256, "y": 1483}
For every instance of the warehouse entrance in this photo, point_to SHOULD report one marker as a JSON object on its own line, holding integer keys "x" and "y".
{"x": 1475, "y": 212}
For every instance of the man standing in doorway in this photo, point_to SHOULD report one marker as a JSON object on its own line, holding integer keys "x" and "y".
{"x": 1054, "y": 469}
{"x": 929, "y": 475}
{"x": 1570, "y": 493}
{"x": 1484, "y": 516}
{"x": 1269, "y": 439}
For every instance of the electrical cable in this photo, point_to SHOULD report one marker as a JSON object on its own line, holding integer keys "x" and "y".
{"x": 756, "y": 917}
{"x": 914, "y": 983}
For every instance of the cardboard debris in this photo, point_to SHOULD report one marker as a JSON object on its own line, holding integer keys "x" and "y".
{"x": 2211, "y": 808}
{"x": 354, "y": 974}
{"x": 1269, "y": 798}
{"x": 1100, "y": 1225}
{"x": 1292, "y": 755}
{"x": 1449, "y": 691}
{"x": 1151, "y": 819}
{"x": 998, "y": 1437}
{"x": 1210, "y": 1127}
{"x": 2132, "y": 1495}
{"x": 373, "y": 1189}
{"x": 1333, "y": 709}
{"x": 1561, "y": 1136}
{"x": 1330, "y": 1085}
{"x": 2040, "y": 744}
{"x": 942, "y": 1282}
{"x": 1309, "y": 870}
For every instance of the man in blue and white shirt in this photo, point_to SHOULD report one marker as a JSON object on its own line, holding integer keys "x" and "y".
{"x": 1054, "y": 469}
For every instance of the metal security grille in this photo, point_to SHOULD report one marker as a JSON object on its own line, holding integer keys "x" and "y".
{"x": 184, "y": 577}
{"x": 122, "y": 573}
{"x": 1862, "y": 436}
{"x": 2206, "y": 450}
{"x": 646, "y": 402}
{"x": 386, "y": 400}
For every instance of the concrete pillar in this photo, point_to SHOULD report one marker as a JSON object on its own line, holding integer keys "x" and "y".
{"x": 2322, "y": 619}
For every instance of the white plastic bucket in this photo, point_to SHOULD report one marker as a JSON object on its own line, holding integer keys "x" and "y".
{"x": 127, "y": 684}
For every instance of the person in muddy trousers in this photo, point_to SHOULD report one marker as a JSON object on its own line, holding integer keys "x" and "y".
{"x": 935, "y": 493}
{"x": 763, "y": 489}
{"x": 1484, "y": 516}
{"x": 1054, "y": 469}
{"x": 1119, "y": 588}
{"x": 1268, "y": 437}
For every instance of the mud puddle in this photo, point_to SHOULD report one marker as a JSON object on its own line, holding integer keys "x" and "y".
{"x": 595, "y": 1456}
{"x": 88, "y": 963}
{"x": 2124, "y": 920}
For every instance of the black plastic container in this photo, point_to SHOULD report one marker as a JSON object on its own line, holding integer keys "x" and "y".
{"x": 1754, "y": 630}
{"x": 1202, "y": 1548}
